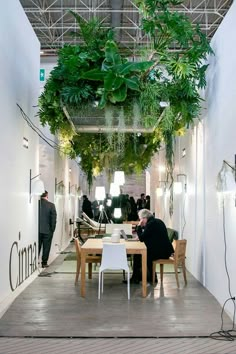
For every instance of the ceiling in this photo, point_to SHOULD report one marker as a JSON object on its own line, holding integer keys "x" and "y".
{"x": 52, "y": 22}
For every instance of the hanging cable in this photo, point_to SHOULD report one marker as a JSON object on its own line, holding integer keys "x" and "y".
{"x": 47, "y": 140}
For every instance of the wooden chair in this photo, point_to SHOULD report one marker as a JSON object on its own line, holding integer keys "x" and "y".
{"x": 90, "y": 259}
{"x": 178, "y": 259}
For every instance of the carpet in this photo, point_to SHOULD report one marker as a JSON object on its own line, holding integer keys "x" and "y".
{"x": 69, "y": 266}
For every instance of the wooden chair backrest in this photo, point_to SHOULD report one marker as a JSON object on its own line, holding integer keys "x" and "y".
{"x": 180, "y": 251}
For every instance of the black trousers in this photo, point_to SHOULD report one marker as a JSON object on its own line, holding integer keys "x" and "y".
{"x": 45, "y": 241}
{"x": 137, "y": 268}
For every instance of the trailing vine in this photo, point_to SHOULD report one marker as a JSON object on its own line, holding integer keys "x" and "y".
{"x": 95, "y": 75}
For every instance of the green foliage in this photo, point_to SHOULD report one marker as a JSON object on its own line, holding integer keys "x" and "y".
{"x": 97, "y": 155}
{"x": 93, "y": 35}
{"x": 117, "y": 75}
{"x": 96, "y": 71}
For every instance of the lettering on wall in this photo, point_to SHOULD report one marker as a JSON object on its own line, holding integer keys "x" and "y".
{"x": 24, "y": 260}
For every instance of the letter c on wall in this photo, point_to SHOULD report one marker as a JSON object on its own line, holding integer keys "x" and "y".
{"x": 15, "y": 244}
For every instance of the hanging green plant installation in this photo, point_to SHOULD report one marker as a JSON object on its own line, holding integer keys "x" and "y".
{"x": 93, "y": 82}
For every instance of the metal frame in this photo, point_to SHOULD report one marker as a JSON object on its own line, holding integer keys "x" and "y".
{"x": 52, "y": 23}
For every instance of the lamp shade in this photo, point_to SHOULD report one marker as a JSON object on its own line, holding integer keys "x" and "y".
{"x": 114, "y": 190}
{"x": 60, "y": 188}
{"x": 37, "y": 187}
{"x": 159, "y": 192}
{"x": 117, "y": 213}
{"x": 178, "y": 188}
{"x": 100, "y": 193}
{"x": 119, "y": 178}
{"x": 226, "y": 180}
{"x": 79, "y": 192}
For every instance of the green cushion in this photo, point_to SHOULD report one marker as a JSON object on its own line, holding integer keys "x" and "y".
{"x": 172, "y": 234}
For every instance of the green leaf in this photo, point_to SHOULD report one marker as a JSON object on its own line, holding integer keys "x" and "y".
{"x": 129, "y": 67}
{"x": 119, "y": 95}
{"x": 132, "y": 83}
{"x": 111, "y": 53}
{"x": 112, "y": 82}
{"x": 103, "y": 101}
{"x": 94, "y": 74}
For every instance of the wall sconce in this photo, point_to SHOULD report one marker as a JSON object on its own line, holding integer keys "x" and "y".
{"x": 59, "y": 187}
{"x": 25, "y": 143}
{"x": 178, "y": 185}
{"x": 161, "y": 168}
{"x": 79, "y": 192}
{"x": 161, "y": 190}
{"x": 119, "y": 178}
{"x": 36, "y": 187}
{"x": 74, "y": 186}
{"x": 226, "y": 179}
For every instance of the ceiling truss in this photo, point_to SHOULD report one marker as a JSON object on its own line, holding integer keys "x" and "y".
{"x": 53, "y": 23}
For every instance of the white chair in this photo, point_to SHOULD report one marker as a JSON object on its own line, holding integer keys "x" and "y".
{"x": 126, "y": 227}
{"x": 113, "y": 257}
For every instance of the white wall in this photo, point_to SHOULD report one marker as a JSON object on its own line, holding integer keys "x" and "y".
{"x": 19, "y": 62}
{"x": 53, "y": 165}
{"x": 56, "y": 168}
{"x": 210, "y": 142}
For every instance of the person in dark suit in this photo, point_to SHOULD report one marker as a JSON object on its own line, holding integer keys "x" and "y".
{"x": 154, "y": 234}
{"x": 141, "y": 202}
{"x": 87, "y": 207}
{"x": 47, "y": 225}
{"x": 147, "y": 205}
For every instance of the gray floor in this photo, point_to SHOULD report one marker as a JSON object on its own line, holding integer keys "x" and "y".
{"x": 116, "y": 346}
{"x": 52, "y": 307}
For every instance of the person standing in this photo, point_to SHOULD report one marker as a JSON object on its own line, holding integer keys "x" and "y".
{"x": 133, "y": 215}
{"x": 95, "y": 208}
{"x": 87, "y": 207}
{"x": 147, "y": 206}
{"x": 47, "y": 225}
{"x": 141, "y": 202}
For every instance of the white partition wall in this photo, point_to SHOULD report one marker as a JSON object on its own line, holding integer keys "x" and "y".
{"x": 19, "y": 62}
{"x": 56, "y": 168}
{"x": 61, "y": 179}
{"x": 206, "y": 146}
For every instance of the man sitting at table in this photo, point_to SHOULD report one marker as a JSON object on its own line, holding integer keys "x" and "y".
{"x": 154, "y": 234}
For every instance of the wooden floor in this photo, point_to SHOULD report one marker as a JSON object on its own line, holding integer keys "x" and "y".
{"x": 52, "y": 307}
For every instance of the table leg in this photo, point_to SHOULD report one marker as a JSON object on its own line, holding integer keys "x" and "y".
{"x": 82, "y": 278}
{"x": 144, "y": 273}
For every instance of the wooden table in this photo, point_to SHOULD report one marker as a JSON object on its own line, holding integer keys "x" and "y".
{"x": 95, "y": 246}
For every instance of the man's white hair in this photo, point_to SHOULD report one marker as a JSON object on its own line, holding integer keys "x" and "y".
{"x": 144, "y": 213}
